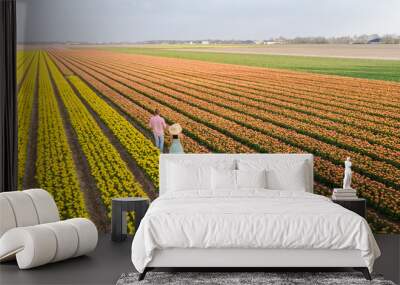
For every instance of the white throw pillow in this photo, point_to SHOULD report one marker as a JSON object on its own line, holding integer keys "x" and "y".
{"x": 251, "y": 178}
{"x": 223, "y": 179}
{"x": 183, "y": 178}
{"x": 290, "y": 178}
{"x": 290, "y": 175}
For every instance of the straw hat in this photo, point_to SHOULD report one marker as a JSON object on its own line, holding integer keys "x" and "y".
{"x": 175, "y": 129}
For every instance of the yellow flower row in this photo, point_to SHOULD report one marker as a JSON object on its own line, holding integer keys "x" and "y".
{"x": 111, "y": 174}
{"x": 139, "y": 147}
{"x": 23, "y": 61}
{"x": 25, "y": 106}
{"x": 139, "y": 114}
{"x": 55, "y": 168}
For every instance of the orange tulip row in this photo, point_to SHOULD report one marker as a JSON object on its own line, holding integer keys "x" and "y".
{"x": 325, "y": 130}
{"x": 388, "y": 105}
{"x": 363, "y": 103}
{"x": 379, "y": 224}
{"x": 378, "y": 170}
{"x": 363, "y": 89}
{"x": 386, "y": 199}
{"x": 286, "y": 92}
{"x": 201, "y": 69}
{"x": 361, "y": 151}
{"x": 339, "y": 91}
{"x": 345, "y": 121}
{"x": 373, "y": 91}
{"x": 378, "y": 200}
{"x": 281, "y": 103}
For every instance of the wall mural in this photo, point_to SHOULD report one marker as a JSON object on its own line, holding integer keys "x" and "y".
{"x": 84, "y": 111}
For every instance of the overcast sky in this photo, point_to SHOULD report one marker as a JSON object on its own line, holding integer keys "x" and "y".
{"x": 141, "y": 20}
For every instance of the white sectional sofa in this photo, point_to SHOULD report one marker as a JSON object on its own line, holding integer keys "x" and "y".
{"x": 31, "y": 231}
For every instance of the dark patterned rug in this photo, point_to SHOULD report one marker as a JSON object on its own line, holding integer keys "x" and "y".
{"x": 243, "y": 278}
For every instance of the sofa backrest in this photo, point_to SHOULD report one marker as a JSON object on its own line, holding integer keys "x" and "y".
{"x": 232, "y": 159}
{"x": 26, "y": 208}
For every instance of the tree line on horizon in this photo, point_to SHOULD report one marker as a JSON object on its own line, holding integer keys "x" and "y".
{"x": 357, "y": 39}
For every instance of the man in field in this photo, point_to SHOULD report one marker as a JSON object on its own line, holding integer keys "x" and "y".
{"x": 157, "y": 124}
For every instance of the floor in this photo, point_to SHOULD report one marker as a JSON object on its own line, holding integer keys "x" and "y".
{"x": 104, "y": 266}
{"x": 110, "y": 260}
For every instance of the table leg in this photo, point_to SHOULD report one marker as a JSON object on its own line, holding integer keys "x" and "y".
{"x": 140, "y": 211}
{"x": 124, "y": 225}
{"x": 116, "y": 222}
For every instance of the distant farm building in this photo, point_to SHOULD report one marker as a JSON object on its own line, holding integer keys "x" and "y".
{"x": 271, "y": 43}
{"x": 375, "y": 41}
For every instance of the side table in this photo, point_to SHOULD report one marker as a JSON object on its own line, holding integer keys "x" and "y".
{"x": 119, "y": 208}
{"x": 357, "y": 205}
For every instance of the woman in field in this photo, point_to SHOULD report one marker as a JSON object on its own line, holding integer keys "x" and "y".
{"x": 176, "y": 146}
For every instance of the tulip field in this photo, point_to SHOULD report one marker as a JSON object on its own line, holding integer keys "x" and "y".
{"x": 84, "y": 112}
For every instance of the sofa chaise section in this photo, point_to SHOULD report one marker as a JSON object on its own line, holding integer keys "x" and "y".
{"x": 31, "y": 231}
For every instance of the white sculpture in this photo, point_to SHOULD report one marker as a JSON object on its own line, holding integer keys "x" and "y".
{"x": 347, "y": 174}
